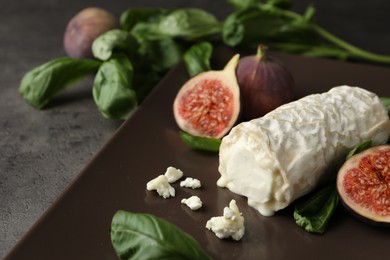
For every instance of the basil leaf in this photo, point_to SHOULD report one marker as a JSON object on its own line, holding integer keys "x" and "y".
{"x": 132, "y": 16}
{"x": 144, "y": 236}
{"x": 208, "y": 144}
{"x": 197, "y": 58}
{"x": 103, "y": 46}
{"x": 359, "y": 148}
{"x": 187, "y": 23}
{"x": 162, "y": 54}
{"x": 242, "y": 4}
{"x": 386, "y": 102}
{"x": 266, "y": 24}
{"x": 40, "y": 84}
{"x": 112, "y": 88}
{"x": 314, "y": 214}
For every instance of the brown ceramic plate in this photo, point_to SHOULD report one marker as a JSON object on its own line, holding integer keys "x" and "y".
{"x": 77, "y": 225}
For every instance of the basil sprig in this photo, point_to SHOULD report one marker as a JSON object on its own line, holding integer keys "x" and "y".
{"x": 274, "y": 24}
{"x": 144, "y": 236}
{"x": 40, "y": 84}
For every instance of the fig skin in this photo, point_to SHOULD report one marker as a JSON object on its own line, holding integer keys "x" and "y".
{"x": 84, "y": 28}
{"x": 208, "y": 104}
{"x": 360, "y": 212}
{"x": 265, "y": 84}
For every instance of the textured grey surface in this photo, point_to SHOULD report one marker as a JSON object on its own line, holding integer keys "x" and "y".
{"x": 41, "y": 152}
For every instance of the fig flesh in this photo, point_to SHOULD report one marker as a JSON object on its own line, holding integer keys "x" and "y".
{"x": 84, "y": 28}
{"x": 265, "y": 84}
{"x": 363, "y": 183}
{"x": 208, "y": 104}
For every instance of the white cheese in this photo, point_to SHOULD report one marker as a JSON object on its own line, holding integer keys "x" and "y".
{"x": 192, "y": 202}
{"x": 283, "y": 155}
{"x": 231, "y": 224}
{"x": 162, "y": 186}
{"x": 173, "y": 174}
{"x": 191, "y": 183}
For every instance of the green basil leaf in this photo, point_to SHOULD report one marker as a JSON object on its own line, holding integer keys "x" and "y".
{"x": 242, "y": 4}
{"x": 386, "y": 102}
{"x": 267, "y": 24}
{"x": 186, "y": 23}
{"x": 112, "y": 88}
{"x": 197, "y": 58}
{"x": 208, "y": 144}
{"x": 233, "y": 31}
{"x": 314, "y": 214}
{"x": 132, "y": 16}
{"x": 359, "y": 148}
{"x": 40, "y": 84}
{"x": 103, "y": 46}
{"x": 163, "y": 54}
{"x": 144, "y": 236}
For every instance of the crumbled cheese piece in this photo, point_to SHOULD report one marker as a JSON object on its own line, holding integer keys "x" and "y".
{"x": 193, "y": 202}
{"x": 231, "y": 224}
{"x": 173, "y": 174}
{"x": 162, "y": 186}
{"x": 191, "y": 183}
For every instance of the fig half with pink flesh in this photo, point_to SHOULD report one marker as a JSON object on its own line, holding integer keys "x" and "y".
{"x": 363, "y": 183}
{"x": 208, "y": 104}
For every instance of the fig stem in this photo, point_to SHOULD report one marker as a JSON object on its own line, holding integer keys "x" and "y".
{"x": 261, "y": 51}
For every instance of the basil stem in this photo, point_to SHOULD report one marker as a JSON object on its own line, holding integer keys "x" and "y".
{"x": 144, "y": 236}
{"x": 40, "y": 84}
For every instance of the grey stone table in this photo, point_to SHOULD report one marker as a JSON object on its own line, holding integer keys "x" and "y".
{"x": 41, "y": 152}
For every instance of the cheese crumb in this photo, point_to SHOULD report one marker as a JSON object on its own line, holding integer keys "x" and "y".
{"x": 231, "y": 224}
{"x": 191, "y": 183}
{"x": 162, "y": 186}
{"x": 173, "y": 174}
{"x": 193, "y": 202}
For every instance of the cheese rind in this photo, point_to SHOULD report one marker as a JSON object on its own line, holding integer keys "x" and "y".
{"x": 283, "y": 155}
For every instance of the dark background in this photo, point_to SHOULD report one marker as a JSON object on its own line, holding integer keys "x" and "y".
{"x": 41, "y": 152}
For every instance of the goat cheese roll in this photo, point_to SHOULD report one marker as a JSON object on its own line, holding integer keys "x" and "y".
{"x": 274, "y": 159}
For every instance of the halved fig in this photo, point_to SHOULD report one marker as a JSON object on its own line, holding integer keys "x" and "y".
{"x": 208, "y": 104}
{"x": 363, "y": 183}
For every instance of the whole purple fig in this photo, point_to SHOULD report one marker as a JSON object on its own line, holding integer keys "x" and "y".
{"x": 84, "y": 28}
{"x": 265, "y": 83}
